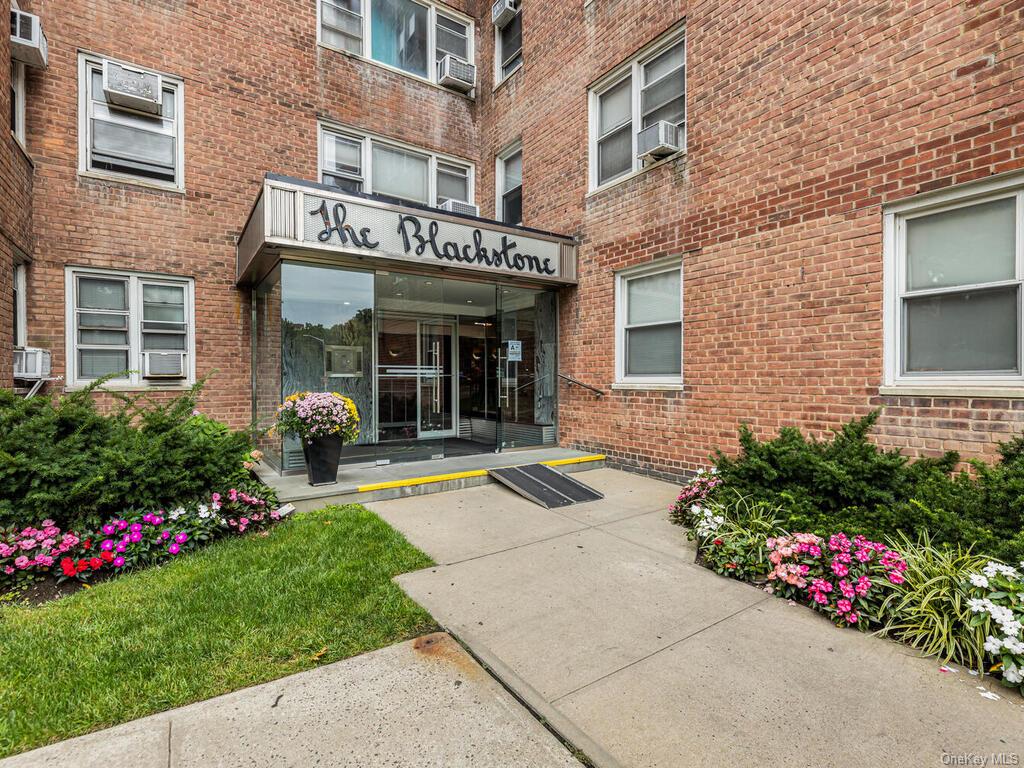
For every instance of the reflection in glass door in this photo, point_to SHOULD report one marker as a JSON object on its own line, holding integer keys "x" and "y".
{"x": 436, "y": 380}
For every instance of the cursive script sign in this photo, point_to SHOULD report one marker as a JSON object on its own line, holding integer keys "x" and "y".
{"x": 400, "y": 233}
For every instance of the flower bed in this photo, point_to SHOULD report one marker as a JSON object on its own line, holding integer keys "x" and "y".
{"x": 936, "y": 600}
{"x": 135, "y": 539}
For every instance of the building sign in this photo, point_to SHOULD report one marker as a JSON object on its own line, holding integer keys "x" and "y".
{"x": 515, "y": 351}
{"x": 411, "y": 234}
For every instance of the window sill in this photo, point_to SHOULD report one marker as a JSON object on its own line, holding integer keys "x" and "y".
{"x": 181, "y": 387}
{"x": 397, "y": 71}
{"x": 24, "y": 150}
{"x": 640, "y": 172}
{"x": 652, "y": 386}
{"x": 955, "y": 390}
{"x": 133, "y": 182}
{"x": 507, "y": 77}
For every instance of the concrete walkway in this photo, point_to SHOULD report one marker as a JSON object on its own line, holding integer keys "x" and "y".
{"x": 420, "y": 704}
{"x": 597, "y": 616}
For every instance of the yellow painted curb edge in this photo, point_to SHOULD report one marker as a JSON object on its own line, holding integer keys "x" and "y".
{"x": 470, "y": 473}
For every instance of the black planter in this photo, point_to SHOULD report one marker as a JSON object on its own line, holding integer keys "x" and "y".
{"x": 322, "y": 457}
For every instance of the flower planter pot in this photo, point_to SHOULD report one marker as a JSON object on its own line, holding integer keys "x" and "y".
{"x": 322, "y": 457}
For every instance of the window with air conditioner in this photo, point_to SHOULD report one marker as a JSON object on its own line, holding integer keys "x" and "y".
{"x": 508, "y": 47}
{"x": 358, "y": 162}
{"x": 18, "y": 304}
{"x": 509, "y": 177}
{"x": 405, "y": 35}
{"x": 137, "y": 327}
{"x": 649, "y": 325}
{"x": 642, "y": 93}
{"x": 954, "y": 281}
{"x": 139, "y": 144}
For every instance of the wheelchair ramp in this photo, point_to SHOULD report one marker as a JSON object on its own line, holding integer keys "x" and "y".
{"x": 545, "y": 486}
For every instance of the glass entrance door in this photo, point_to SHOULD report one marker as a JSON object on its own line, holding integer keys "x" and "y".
{"x": 527, "y": 367}
{"x": 436, "y": 380}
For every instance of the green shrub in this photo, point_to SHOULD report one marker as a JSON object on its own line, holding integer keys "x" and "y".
{"x": 64, "y": 460}
{"x": 929, "y": 611}
{"x": 847, "y": 483}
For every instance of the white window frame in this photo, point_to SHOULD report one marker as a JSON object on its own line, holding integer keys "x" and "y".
{"x": 368, "y": 140}
{"x": 366, "y": 52}
{"x": 21, "y": 305}
{"x": 499, "y": 55}
{"x": 88, "y": 61}
{"x": 18, "y": 86}
{"x": 499, "y": 178}
{"x": 621, "y": 279}
{"x": 895, "y": 217}
{"x": 135, "y": 280}
{"x": 633, "y": 71}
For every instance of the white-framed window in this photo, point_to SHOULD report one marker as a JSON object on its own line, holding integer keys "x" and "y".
{"x": 359, "y": 162}
{"x": 18, "y": 101}
{"x": 115, "y": 318}
{"x": 509, "y": 192}
{"x": 649, "y": 324}
{"x": 508, "y": 47}
{"x": 954, "y": 268}
{"x": 129, "y": 144}
{"x": 404, "y": 35}
{"x": 19, "y": 304}
{"x": 649, "y": 88}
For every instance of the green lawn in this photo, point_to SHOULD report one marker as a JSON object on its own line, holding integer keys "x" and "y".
{"x": 243, "y": 611}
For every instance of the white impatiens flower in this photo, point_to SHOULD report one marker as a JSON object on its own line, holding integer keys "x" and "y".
{"x": 203, "y": 511}
{"x": 176, "y": 513}
{"x": 993, "y": 644}
{"x": 1011, "y": 628}
{"x": 1013, "y": 645}
{"x": 1012, "y": 674}
{"x": 993, "y": 569}
{"x": 979, "y": 580}
{"x": 977, "y": 604}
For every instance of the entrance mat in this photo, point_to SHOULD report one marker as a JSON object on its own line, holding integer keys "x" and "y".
{"x": 545, "y": 486}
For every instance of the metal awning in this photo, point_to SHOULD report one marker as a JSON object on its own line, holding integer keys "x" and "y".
{"x": 291, "y": 215}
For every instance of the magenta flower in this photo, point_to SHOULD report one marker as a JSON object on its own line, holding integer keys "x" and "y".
{"x": 165, "y": 535}
{"x": 174, "y": 548}
{"x": 109, "y": 529}
{"x": 157, "y": 520}
{"x": 121, "y": 546}
{"x": 181, "y": 538}
{"x": 135, "y": 527}
{"x": 107, "y": 545}
{"x": 135, "y": 537}
{"x": 118, "y": 561}
{"x": 122, "y": 524}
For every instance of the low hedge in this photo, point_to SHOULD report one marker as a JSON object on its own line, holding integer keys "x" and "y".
{"x": 62, "y": 459}
{"x": 847, "y": 483}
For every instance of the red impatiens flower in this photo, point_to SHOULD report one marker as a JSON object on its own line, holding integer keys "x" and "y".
{"x": 731, "y": 566}
{"x": 83, "y": 565}
{"x": 717, "y": 542}
{"x": 68, "y": 566}
{"x": 95, "y": 563}
{"x": 86, "y": 544}
{"x": 106, "y": 557}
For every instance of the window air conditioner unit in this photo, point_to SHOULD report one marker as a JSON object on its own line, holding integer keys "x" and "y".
{"x": 455, "y": 73}
{"x": 28, "y": 43}
{"x": 658, "y": 140}
{"x": 163, "y": 365}
{"x": 502, "y": 12}
{"x": 133, "y": 88}
{"x": 31, "y": 363}
{"x": 457, "y": 206}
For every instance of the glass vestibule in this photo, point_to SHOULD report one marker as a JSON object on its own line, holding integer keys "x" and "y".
{"x": 437, "y": 366}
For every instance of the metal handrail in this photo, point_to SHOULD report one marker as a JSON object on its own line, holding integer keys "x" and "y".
{"x": 579, "y": 383}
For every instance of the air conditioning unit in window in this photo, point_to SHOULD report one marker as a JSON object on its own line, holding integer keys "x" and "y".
{"x": 163, "y": 365}
{"x": 133, "y": 88}
{"x": 457, "y": 206}
{"x": 658, "y": 140}
{"x": 31, "y": 363}
{"x": 456, "y": 73}
{"x": 28, "y": 43}
{"x": 503, "y": 11}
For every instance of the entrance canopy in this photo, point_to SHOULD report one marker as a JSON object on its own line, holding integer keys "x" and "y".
{"x": 291, "y": 214}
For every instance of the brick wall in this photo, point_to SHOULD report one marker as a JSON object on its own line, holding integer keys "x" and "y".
{"x": 15, "y": 213}
{"x": 255, "y": 85}
{"x": 804, "y": 118}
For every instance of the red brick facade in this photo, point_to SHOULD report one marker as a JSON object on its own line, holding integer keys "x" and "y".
{"x": 804, "y": 118}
